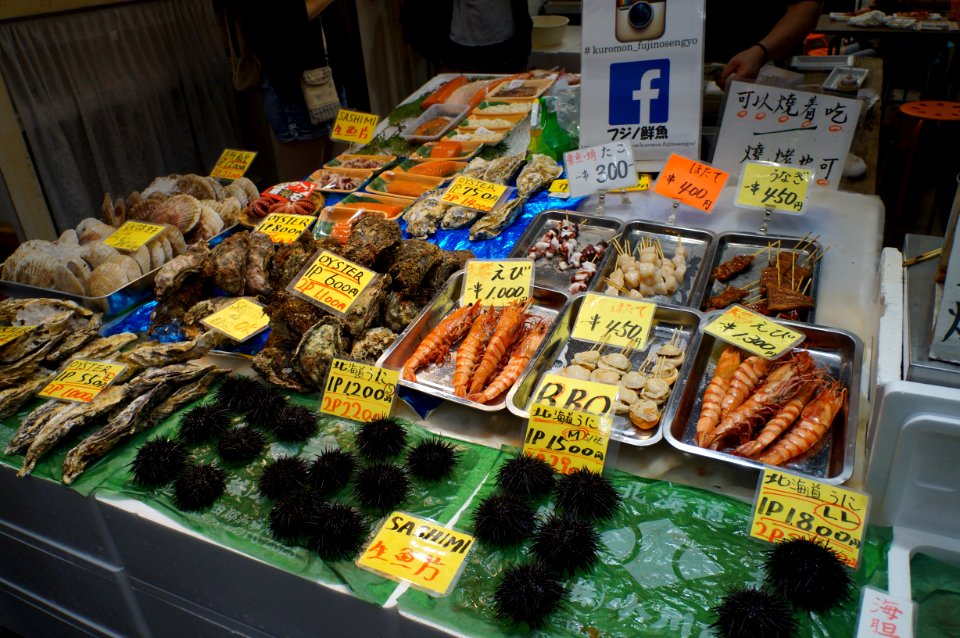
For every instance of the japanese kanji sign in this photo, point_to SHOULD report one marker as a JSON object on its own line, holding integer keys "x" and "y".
{"x": 9, "y": 333}
{"x": 240, "y": 320}
{"x": 359, "y": 391}
{"x": 132, "y": 235}
{"x": 691, "y": 182}
{"x": 600, "y": 168}
{"x": 284, "y": 229}
{"x": 81, "y": 380}
{"x": 473, "y": 193}
{"x": 332, "y": 282}
{"x": 753, "y": 332}
{"x": 615, "y": 321}
{"x": 233, "y": 163}
{"x": 497, "y": 283}
{"x": 567, "y": 439}
{"x": 766, "y": 185}
{"x": 354, "y": 126}
{"x": 556, "y": 391}
{"x": 884, "y": 615}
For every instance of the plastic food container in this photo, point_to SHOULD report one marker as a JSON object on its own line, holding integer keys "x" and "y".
{"x": 548, "y": 31}
{"x": 453, "y": 112}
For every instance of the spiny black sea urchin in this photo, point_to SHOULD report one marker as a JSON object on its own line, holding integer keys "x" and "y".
{"x": 241, "y": 444}
{"x": 586, "y": 495}
{"x": 528, "y": 593}
{"x": 331, "y": 470}
{"x": 158, "y": 462}
{"x": 199, "y": 486}
{"x": 203, "y": 423}
{"x": 285, "y": 475}
{"x": 566, "y": 544}
{"x": 294, "y": 423}
{"x": 382, "y": 486}
{"x": 237, "y": 393}
{"x": 381, "y": 439}
{"x": 337, "y": 532}
{"x": 267, "y": 404}
{"x": 808, "y": 574}
{"x": 752, "y": 613}
{"x": 503, "y": 519}
{"x": 526, "y": 476}
{"x": 432, "y": 460}
{"x": 290, "y": 516}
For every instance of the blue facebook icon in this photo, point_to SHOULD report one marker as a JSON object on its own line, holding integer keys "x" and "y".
{"x": 640, "y": 92}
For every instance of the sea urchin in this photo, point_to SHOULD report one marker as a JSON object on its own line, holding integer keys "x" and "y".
{"x": 528, "y": 593}
{"x": 158, "y": 462}
{"x": 432, "y": 460}
{"x": 808, "y": 574}
{"x": 294, "y": 423}
{"x": 526, "y": 476}
{"x": 241, "y": 445}
{"x": 380, "y": 439}
{"x": 503, "y": 519}
{"x": 285, "y": 475}
{"x": 337, "y": 532}
{"x": 237, "y": 393}
{"x": 331, "y": 470}
{"x": 587, "y": 495}
{"x": 567, "y": 544}
{"x": 753, "y": 613}
{"x": 203, "y": 423}
{"x": 382, "y": 486}
{"x": 199, "y": 486}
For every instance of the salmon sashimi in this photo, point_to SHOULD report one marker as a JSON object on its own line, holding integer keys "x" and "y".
{"x": 434, "y": 169}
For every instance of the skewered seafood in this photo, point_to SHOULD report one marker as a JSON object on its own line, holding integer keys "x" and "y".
{"x": 561, "y": 242}
{"x": 647, "y": 272}
{"x": 728, "y": 269}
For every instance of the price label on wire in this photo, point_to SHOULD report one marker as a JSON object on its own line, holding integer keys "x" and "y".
{"x": 753, "y": 332}
{"x": 233, "y": 163}
{"x": 497, "y": 282}
{"x": 615, "y": 321}
{"x": 283, "y": 228}
{"x": 81, "y": 380}
{"x": 767, "y": 185}
{"x": 132, "y": 235}
{"x": 354, "y": 126}
{"x": 358, "y": 391}
{"x": 600, "y": 168}
{"x": 240, "y": 320}
{"x": 690, "y": 182}
{"x": 331, "y": 282}
{"x": 473, "y": 193}
{"x": 567, "y": 439}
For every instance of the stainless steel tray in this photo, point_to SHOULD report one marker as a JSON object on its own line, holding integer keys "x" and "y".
{"x": 435, "y": 380}
{"x": 730, "y": 245}
{"x": 559, "y": 349}
{"x": 831, "y": 460}
{"x": 698, "y": 243}
{"x": 110, "y": 305}
{"x": 592, "y": 230}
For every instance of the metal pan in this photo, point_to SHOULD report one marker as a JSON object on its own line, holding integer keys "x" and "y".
{"x": 559, "y": 349}
{"x": 698, "y": 243}
{"x": 592, "y": 230}
{"x": 730, "y": 245}
{"x": 831, "y": 460}
{"x": 436, "y": 380}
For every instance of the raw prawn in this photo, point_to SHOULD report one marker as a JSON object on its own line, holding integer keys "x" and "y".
{"x": 510, "y": 322}
{"x": 744, "y": 381}
{"x": 469, "y": 351}
{"x": 814, "y": 422}
{"x": 775, "y": 426}
{"x": 435, "y": 345}
{"x": 710, "y": 410}
{"x": 517, "y": 362}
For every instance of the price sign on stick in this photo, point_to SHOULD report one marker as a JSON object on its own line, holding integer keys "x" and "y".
{"x": 791, "y": 506}
{"x": 766, "y": 185}
{"x": 753, "y": 332}
{"x": 473, "y": 193}
{"x": 240, "y": 320}
{"x": 332, "y": 282}
{"x": 497, "y": 283}
{"x": 359, "y": 391}
{"x": 615, "y": 321}
{"x": 690, "y": 182}
{"x": 9, "y": 333}
{"x": 556, "y": 391}
{"x": 81, "y": 380}
{"x": 600, "y": 168}
{"x": 284, "y": 229}
{"x": 233, "y": 164}
{"x": 354, "y": 126}
{"x": 132, "y": 235}
{"x": 567, "y": 439}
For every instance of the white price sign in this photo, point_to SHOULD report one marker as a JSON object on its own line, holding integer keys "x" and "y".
{"x": 600, "y": 168}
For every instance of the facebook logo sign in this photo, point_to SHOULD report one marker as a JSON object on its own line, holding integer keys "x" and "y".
{"x": 640, "y": 92}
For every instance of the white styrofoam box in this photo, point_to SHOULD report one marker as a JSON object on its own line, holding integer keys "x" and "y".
{"x": 886, "y": 353}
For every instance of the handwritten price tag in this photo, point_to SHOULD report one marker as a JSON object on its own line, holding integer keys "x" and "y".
{"x": 82, "y": 380}
{"x": 792, "y": 506}
{"x": 284, "y": 229}
{"x": 556, "y": 391}
{"x": 414, "y": 550}
{"x": 359, "y": 391}
{"x": 616, "y": 321}
{"x": 567, "y": 439}
{"x": 559, "y": 188}
{"x": 132, "y": 235}
{"x": 233, "y": 163}
{"x": 690, "y": 182}
{"x": 497, "y": 283}
{"x": 473, "y": 193}
{"x": 753, "y": 332}
{"x": 767, "y": 185}
{"x": 332, "y": 282}
{"x": 354, "y": 126}
{"x": 600, "y": 168}
{"x": 240, "y": 320}
{"x": 884, "y": 614}
{"x": 9, "y": 333}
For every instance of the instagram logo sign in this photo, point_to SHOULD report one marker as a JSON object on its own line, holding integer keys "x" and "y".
{"x": 640, "y": 92}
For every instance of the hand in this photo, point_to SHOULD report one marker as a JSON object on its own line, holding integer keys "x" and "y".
{"x": 745, "y": 65}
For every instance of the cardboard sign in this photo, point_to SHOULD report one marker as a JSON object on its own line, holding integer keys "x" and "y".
{"x": 591, "y": 397}
{"x": 354, "y": 126}
{"x": 753, "y": 332}
{"x": 497, "y": 283}
{"x": 418, "y": 551}
{"x": 600, "y": 168}
{"x": 132, "y": 235}
{"x": 81, "y": 380}
{"x": 284, "y": 229}
{"x": 691, "y": 182}
{"x": 615, "y": 321}
{"x": 883, "y": 614}
{"x": 358, "y": 391}
{"x": 567, "y": 439}
{"x": 233, "y": 164}
{"x": 766, "y": 185}
{"x": 792, "y": 506}
{"x": 240, "y": 320}
{"x": 473, "y": 193}
{"x": 9, "y": 333}
{"x": 331, "y": 282}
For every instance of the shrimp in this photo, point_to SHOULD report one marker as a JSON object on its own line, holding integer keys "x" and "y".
{"x": 469, "y": 351}
{"x": 745, "y": 380}
{"x": 814, "y": 422}
{"x": 780, "y": 386}
{"x": 710, "y": 410}
{"x": 775, "y": 426}
{"x": 434, "y": 348}
{"x": 517, "y": 362}
{"x": 510, "y": 322}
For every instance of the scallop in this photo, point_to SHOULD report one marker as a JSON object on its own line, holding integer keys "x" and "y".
{"x": 655, "y": 389}
{"x": 68, "y": 236}
{"x": 210, "y": 224}
{"x": 670, "y": 282}
{"x": 628, "y": 395}
{"x": 66, "y": 281}
{"x": 619, "y": 407}
{"x": 625, "y": 262}
{"x": 648, "y": 258}
{"x": 164, "y": 242}
{"x": 631, "y": 278}
{"x": 232, "y": 190}
{"x": 218, "y": 190}
{"x": 129, "y": 265}
{"x": 577, "y": 372}
{"x": 646, "y": 271}
{"x": 196, "y": 186}
{"x": 230, "y": 210}
{"x": 588, "y": 359}
{"x": 668, "y": 375}
{"x": 633, "y": 381}
{"x": 177, "y": 242}
{"x": 616, "y": 361}
{"x": 669, "y": 350}
{"x": 182, "y": 211}
{"x": 644, "y": 414}
{"x": 605, "y": 376}
{"x": 636, "y": 294}
{"x": 660, "y": 288}
{"x": 90, "y": 230}
{"x": 142, "y": 257}
{"x": 96, "y": 253}
{"x": 157, "y": 256}
{"x": 616, "y": 277}
{"x": 105, "y": 279}
{"x": 248, "y": 187}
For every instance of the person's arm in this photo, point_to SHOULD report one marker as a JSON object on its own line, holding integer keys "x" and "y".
{"x": 799, "y": 20}
{"x": 314, "y": 7}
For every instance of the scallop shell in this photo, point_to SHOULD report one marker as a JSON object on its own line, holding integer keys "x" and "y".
{"x": 91, "y": 230}
{"x": 218, "y": 192}
{"x": 165, "y": 245}
{"x": 130, "y": 267}
{"x": 157, "y": 256}
{"x": 182, "y": 211}
{"x": 210, "y": 224}
{"x": 106, "y": 208}
{"x": 66, "y": 281}
{"x": 142, "y": 257}
{"x": 97, "y": 252}
{"x": 230, "y": 210}
{"x": 248, "y": 187}
{"x": 196, "y": 186}
{"x": 106, "y": 278}
{"x": 144, "y": 209}
{"x": 68, "y": 238}
{"x": 232, "y": 190}
{"x": 80, "y": 269}
{"x": 177, "y": 242}
{"x": 165, "y": 185}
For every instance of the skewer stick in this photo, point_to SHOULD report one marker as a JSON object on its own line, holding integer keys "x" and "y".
{"x": 752, "y": 284}
{"x": 817, "y": 257}
{"x": 802, "y": 239}
{"x": 616, "y": 245}
{"x": 930, "y": 254}
{"x": 752, "y": 299}
{"x": 618, "y": 287}
{"x": 806, "y": 287}
{"x": 659, "y": 250}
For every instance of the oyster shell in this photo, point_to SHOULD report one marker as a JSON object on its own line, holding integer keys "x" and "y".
{"x": 182, "y": 211}
{"x": 105, "y": 347}
{"x": 493, "y": 223}
{"x": 259, "y": 256}
{"x": 458, "y": 217}
{"x": 12, "y": 398}
{"x": 410, "y": 261}
{"x": 476, "y": 168}
{"x": 276, "y": 365}
{"x": 371, "y": 236}
{"x": 372, "y": 344}
{"x": 150, "y": 355}
{"x": 319, "y": 346}
{"x": 79, "y": 333}
{"x": 399, "y": 312}
{"x": 537, "y": 174}
{"x": 32, "y": 423}
{"x": 201, "y": 310}
{"x": 174, "y": 272}
{"x": 366, "y": 307}
{"x": 424, "y": 214}
{"x": 229, "y": 263}
{"x": 107, "y": 278}
{"x": 500, "y": 170}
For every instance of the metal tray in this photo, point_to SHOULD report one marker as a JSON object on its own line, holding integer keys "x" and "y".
{"x": 592, "y": 230}
{"x": 559, "y": 349}
{"x": 831, "y": 460}
{"x": 434, "y": 379}
{"x": 729, "y": 245}
{"x": 698, "y": 243}
{"x": 110, "y": 305}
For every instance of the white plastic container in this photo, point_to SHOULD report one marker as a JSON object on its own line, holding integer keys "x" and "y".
{"x": 455, "y": 112}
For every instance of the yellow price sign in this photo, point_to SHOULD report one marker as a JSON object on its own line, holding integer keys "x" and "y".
{"x": 331, "y": 282}
{"x": 418, "y": 551}
{"x": 473, "y": 193}
{"x": 359, "y": 391}
{"x": 9, "y": 333}
{"x": 132, "y": 235}
{"x": 240, "y": 320}
{"x": 753, "y": 332}
{"x": 556, "y": 391}
{"x": 791, "y": 506}
{"x": 567, "y": 439}
{"x": 81, "y": 380}
{"x": 354, "y": 126}
{"x": 616, "y": 321}
{"x": 233, "y": 163}
{"x": 497, "y": 282}
{"x": 284, "y": 229}
{"x": 767, "y": 185}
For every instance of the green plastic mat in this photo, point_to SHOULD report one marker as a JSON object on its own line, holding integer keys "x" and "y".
{"x": 669, "y": 555}
{"x": 936, "y": 590}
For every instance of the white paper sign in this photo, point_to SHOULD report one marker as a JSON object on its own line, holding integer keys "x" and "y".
{"x": 793, "y": 128}
{"x": 642, "y": 70}
{"x": 883, "y": 614}
{"x": 605, "y": 167}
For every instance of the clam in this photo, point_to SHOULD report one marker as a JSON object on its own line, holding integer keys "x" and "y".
{"x": 605, "y": 376}
{"x": 633, "y": 380}
{"x": 588, "y": 359}
{"x": 105, "y": 279}
{"x": 182, "y": 211}
{"x": 644, "y": 414}
{"x": 655, "y": 389}
{"x": 577, "y": 372}
{"x": 628, "y": 395}
{"x": 616, "y": 361}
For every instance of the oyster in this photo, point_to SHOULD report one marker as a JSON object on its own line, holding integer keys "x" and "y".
{"x": 459, "y": 217}
{"x": 366, "y": 308}
{"x": 277, "y": 366}
{"x": 537, "y": 174}
{"x": 12, "y": 398}
{"x": 105, "y": 347}
{"x": 151, "y": 354}
{"x": 229, "y": 263}
{"x": 186, "y": 393}
{"x": 290, "y": 318}
{"x": 409, "y": 262}
{"x": 83, "y": 331}
{"x": 261, "y": 252}
{"x": 399, "y": 312}
{"x": 370, "y": 236}
{"x": 372, "y": 344}
{"x": 319, "y": 346}
{"x": 449, "y": 263}
{"x": 195, "y": 261}
{"x": 500, "y": 170}
{"x": 424, "y": 214}
{"x": 493, "y": 223}
{"x": 476, "y": 168}
{"x": 32, "y": 423}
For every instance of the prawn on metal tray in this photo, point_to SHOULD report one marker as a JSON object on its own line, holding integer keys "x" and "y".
{"x": 508, "y": 326}
{"x": 815, "y": 420}
{"x": 532, "y": 335}
{"x": 436, "y": 345}
{"x": 713, "y": 395}
{"x": 468, "y": 354}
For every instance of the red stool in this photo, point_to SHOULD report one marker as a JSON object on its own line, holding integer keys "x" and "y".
{"x": 936, "y": 111}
